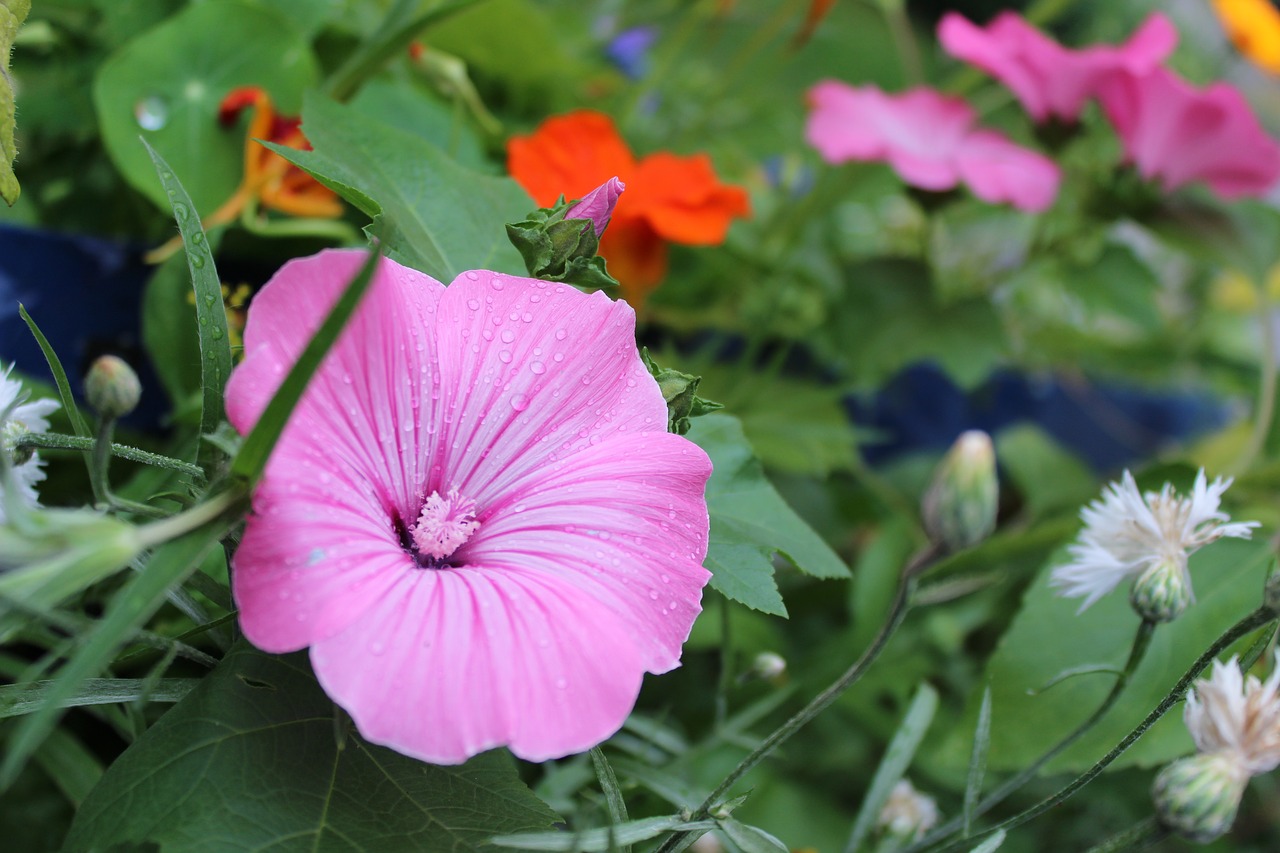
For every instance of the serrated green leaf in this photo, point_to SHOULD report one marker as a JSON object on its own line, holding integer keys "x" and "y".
{"x": 12, "y": 14}
{"x": 750, "y": 522}
{"x": 429, "y": 212}
{"x": 168, "y": 83}
{"x": 184, "y": 783}
{"x": 211, "y": 316}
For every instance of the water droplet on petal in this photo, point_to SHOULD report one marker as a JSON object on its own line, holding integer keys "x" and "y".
{"x": 537, "y": 367}
{"x": 497, "y": 284}
{"x": 561, "y": 334}
{"x": 520, "y": 402}
{"x": 507, "y": 336}
{"x": 473, "y": 304}
{"x": 504, "y": 356}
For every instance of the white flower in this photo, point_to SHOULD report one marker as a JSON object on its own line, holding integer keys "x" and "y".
{"x": 1127, "y": 533}
{"x": 17, "y": 417}
{"x": 1237, "y": 718}
{"x": 908, "y": 813}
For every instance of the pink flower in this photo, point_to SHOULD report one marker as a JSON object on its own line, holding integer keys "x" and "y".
{"x": 475, "y": 518}
{"x": 598, "y": 204}
{"x": 930, "y": 141}
{"x": 1177, "y": 134}
{"x": 1049, "y": 79}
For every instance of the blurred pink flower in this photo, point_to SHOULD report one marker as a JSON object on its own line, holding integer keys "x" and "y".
{"x": 1049, "y": 79}
{"x": 1177, "y": 134}
{"x": 930, "y": 141}
{"x": 475, "y": 518}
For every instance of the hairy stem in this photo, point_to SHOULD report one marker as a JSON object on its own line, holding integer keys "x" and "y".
{"x": 57, "y": 441}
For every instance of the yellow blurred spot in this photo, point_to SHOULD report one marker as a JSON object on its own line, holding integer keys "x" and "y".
{"x": 1254, "y": 28}
{"x": 1234, "y": 291}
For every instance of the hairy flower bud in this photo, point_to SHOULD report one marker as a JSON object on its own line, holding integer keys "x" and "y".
{"x": 960, "y": 506}
{"x": 769, "y": 666}
{"x": 1197, "y": 797}
{"x": 1162, "y": 592}
{"x": 111, "y": 387}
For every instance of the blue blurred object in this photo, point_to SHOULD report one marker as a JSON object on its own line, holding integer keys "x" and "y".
{"x": 1107, "y": 426}
{"x": 629, "y": 50}
{"x": 85, "y": 294}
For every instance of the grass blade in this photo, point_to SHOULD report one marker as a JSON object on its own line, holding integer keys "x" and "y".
{"x": 977, "y": 761}
{"x": 59, "y": 377}
{"x": 71, "y": 766}
{"x": 258, "y": 444}
{"x": 895, "y": 762}
{"x": 609, "y": 784}
{"x": 19, "y": 699}
{"x": 991, "y": 844}
{"x": 598, "y": 840}
{"x": 131, "y": 607}
{"x": 211, "y": 317}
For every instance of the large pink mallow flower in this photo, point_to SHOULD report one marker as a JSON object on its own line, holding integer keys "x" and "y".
{"x": 475, "y": 518}
{"x": 1175, "y": 133}
{"x": 1049, "y": 79}
{"x": 930, "y": 141}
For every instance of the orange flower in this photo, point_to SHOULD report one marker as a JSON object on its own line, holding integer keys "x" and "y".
{"x": 668, "y": 198}
{"x": 274, "y": 181}
{"x": 1254, "y": 28}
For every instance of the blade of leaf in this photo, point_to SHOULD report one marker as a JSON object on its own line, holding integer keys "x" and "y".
{"x": 991, "y": 844}
{"x": 902, "y": 748}
{"x": 751, "y": 839}
{"x": 71, "y": 766}
{"x": 257, "y": 446}
{"x": 609, "y": 784}
{"x": 59, "y": 377}
{"x": 18, "y": 699}
{"x": 597, "y": 840}
{"x": 140, "y": 597}
{"x": 211, "y": 317}
{"x": 977, "y": 761}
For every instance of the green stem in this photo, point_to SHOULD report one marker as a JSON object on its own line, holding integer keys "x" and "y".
{"x": 154, "y": 534}
{"x": 1266, "y": 383}
{"x": 1140, "y": 836}
{"x": 1254, "y": 620}
{"x": 327, "y": 229}
{"x": 1141, "y": 642}
{"x": 897, "y": 612}
{"x": 904, "y": 38}
{"x": 674, "y": 47}
{"x": 58, "y": 441}
{"x": 100, "y": 460}
{"x": 726, "y": 664}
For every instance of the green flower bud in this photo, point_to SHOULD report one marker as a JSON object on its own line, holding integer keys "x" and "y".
{"x": 960, "y": 505}
{"x": 1162, "y": 592}
{"x": 680, "y": 390}
{"x": 559, "y": 243}
{"x": 111, "y": 387}
{"x": 1197, "y": 797}
{"x": 769, "y": 666}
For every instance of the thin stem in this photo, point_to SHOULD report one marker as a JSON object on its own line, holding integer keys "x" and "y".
{"x": 100, "y": 460}
{"x": 1254, "y": 620}
{"x": 58, "y": 441}
{"x": 1266, "y": 383}
{"x": 1140, "y": 836}
{"x": 726, "y": 664}
{"x": 694, "y": 15}
{"x": 904, "y": 38}
{"x": 897, "y": 612}
{"x": 184, "y": 522}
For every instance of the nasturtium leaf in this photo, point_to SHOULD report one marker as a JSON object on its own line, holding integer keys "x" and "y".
{"x": 253, "y": 759}
{"x": 1048, "y": 638}
{"x": 12, "y": 14}
{"x": 750, "y": 522}
{"x": 167, "y": 85}
{"x": 429, "y": 212}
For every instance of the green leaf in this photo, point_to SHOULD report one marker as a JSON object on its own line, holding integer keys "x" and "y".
{"x": 750, "y": 522}
{"x": 59, "y": 376}
{"x": 136, "y": 601}
{"x": 991, "y": 844}
{"x": 1049, "y": 478}
{"x": 429, "y": 212}
{"x": 168, "y": 84}
{"x": 751, "y": 839}
{"x": 977, "y": 760}
{"x": 1048, "y": 638}
{"x": 12, "y": 14}
{"x": 599, "y": 840}
{"x": 211, "y": 316}
{"x": 70, "y": 764}
{"x": 897, "y": 758}
{"x": 609, "y": 785}
{"x": 250, "y": 760}
{"x": 259, "y": 443}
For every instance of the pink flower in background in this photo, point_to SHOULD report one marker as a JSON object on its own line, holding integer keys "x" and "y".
{"x": 475, "y": 518}
{"x": 1049, "y": 79}
{"x": 930, "y": 141}
{"x": 1176, "y": 134}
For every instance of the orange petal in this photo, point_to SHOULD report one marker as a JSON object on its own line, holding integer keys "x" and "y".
{"x": 636, "y": 256}
{"x": 571, "y": 155}
{"x": 683, "y": 200}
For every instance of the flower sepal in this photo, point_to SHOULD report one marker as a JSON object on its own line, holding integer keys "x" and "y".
{"x": 680, "y": 390}
{"x": 558, "y": 249}
{"x": 1161, "y": 593}
{"x": 1197, "y": 797}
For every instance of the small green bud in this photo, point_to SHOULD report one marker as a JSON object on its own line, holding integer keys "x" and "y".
{"x": 111, "y": 387}
{"x": 559, "y": 243}
{"x": 960, "y": 505}
{"x": 1197, "y": 797}
{"x": 1161, "y": 593}
{"x": 769, "y": 666}
{"x": 680, "y": 390}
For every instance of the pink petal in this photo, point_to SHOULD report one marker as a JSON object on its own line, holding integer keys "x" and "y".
{"x": 916, "y": 132}
{"x": 450, "y": 663}
{"x": 997, "y": 170}
{"x": 998, "y": 50}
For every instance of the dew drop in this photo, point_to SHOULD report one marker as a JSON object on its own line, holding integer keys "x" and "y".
{"x": 561, "y": 334}
{"x": 507, "y": 336}
{"x": 497, "y": 284}
{"x": 558, "y": 357}
{"x": 473, "y": 304}
{"x": 537, "y": 367}
{"x": 504, "y": 356}
{"x": 197, "y": 261}
{"x": 474, "y": 276}
{"x": 216, "y": 333}
{"x": 520, "y": 402}
{"x": 151, "y": 113}
{"x": 181, "y": 211}
{"x": 653, "y": 594}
